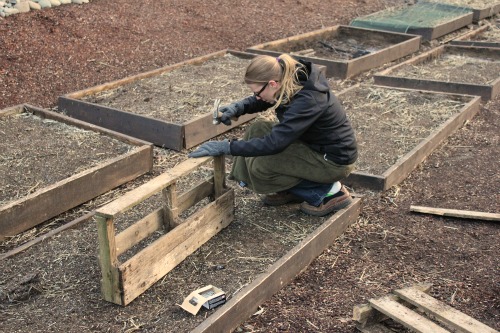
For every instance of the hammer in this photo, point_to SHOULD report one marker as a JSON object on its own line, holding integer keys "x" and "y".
{"x": 216, "y": 114}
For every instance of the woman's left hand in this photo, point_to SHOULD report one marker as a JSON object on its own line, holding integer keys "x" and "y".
{"x": 212, "y": 148}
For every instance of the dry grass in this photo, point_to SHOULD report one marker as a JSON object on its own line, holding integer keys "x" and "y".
{"x": 182, "y": 94}
{"x": 35, "y": 153}
{"x": 389, "y": 122}
{"x": 454, "y": 68}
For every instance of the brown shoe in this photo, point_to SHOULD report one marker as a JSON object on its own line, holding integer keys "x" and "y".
{"x": 281, "y": 198}
{"x": 329, "y": 204}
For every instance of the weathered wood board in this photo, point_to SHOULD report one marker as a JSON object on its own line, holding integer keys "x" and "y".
{"x": 367, "y": 104}
{"x": 485, "y": 36}
{"x": 341, "y": 62}
{"x": 246, "y": 302}
{"x": 26, "y": 212}
{"x": 161, "y": 132}
{"x": 478, "y": 73}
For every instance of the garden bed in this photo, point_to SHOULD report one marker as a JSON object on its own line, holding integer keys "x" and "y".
{"x": 397, "y": 129}
{"x": 170, "y": 107}
{"x": 344, "y": 51}
{"x": 481, "y": 8}
{"x": 485, "y": 36}
{"x": 51, "y": 163}
{"x": 430, "y": 20}
{"x": 453, "y": 69}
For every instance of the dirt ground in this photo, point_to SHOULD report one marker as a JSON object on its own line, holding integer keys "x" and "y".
{"x": 54, "y": 285}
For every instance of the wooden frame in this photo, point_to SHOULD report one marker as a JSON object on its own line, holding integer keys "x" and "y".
{"x": 429, "y": 32}
{"x": 122, "y": 282}
{"x": 404, "y": 44}
{"x": 25, "y": 213}
{"x": 406, "y": 164}
{"x": 482, "y": 13}
{"x": 242, "y": 305}
{"x": 159, "y": 132}
{"x": 467, "y": 39}
{"x": 485, "y": 91}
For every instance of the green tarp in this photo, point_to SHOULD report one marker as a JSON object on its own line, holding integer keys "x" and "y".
{"x": 418, "y": 16}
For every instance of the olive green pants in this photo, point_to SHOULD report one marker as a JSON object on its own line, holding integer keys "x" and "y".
{"x": 279, "y": 172}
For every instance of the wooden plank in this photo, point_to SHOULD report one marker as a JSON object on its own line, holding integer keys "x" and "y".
{"x": 219, "y": 175}
{"x": 486, "y": 91}
{"x": 466, "y": 214}
{"x": 27, "y": 212}
{"x": 108, "y": 260}
{"x": 156, "y": 131}
{"x": 443, "y": 312}
{"x": 46, "y": 114}
{"x": 139, "y": 231}
{"x": 405, "y": 316}
{"x": 242, "y": 305}
{"x": 366, "y": 315}
{"x": 195, "y": 194}
{"x": 159, "y": 258}
{"x": 366, "y": 180}
{"x": 201, "y": 129}
{"x": 150, "y": 188}
{"x": 399, "y": 171}
{"x": 170, "y": 209}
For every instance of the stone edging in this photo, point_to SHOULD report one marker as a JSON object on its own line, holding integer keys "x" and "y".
{"x": 10, "y": 7}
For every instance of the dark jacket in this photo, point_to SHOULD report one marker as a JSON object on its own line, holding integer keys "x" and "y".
{"x": 313, "y": 116}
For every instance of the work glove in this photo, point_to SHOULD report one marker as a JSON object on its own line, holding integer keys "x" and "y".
{"x": 212, "y": 148}
{"x": 233, "y": 110}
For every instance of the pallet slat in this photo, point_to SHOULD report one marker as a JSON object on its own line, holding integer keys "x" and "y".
{"x": 406, "y": 316}
{"x": 150, "y": 188}
{"x": 443, "y": 312}
{"x": 466, "y": 214}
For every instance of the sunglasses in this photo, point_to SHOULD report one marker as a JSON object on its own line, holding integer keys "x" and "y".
{"x": 257, "y": 94}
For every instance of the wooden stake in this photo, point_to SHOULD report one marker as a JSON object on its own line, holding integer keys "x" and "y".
{"x": 456, "y": 213}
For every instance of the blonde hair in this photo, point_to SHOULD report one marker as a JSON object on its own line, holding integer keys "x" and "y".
{"x": 283, "y": 69}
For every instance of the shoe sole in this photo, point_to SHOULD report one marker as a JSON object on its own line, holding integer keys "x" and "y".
{"x": 335, "y": 208}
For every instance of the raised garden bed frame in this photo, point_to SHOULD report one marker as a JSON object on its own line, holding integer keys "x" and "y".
{"x": 433, "y": 32}
{"x": 467, "y": 39}
{"x": 406, "y": 164}
{"x": 344, "y": 69}
{"x": 22, "y": 214}
{"x": 487, "y": 92}
{"x": 160, "y": 132}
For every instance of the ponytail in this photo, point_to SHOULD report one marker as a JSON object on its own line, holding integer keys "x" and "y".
{"x": 283, "y": 69}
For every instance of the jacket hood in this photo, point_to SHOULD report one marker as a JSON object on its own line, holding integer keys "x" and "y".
{"x": 315, "y": 80}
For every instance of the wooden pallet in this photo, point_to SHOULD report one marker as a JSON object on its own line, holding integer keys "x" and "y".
{"x": 416, "y": 310}
{"x": 122, "y": 282}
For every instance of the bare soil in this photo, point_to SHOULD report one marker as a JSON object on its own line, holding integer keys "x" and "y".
{"x": 54, "y": 285}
